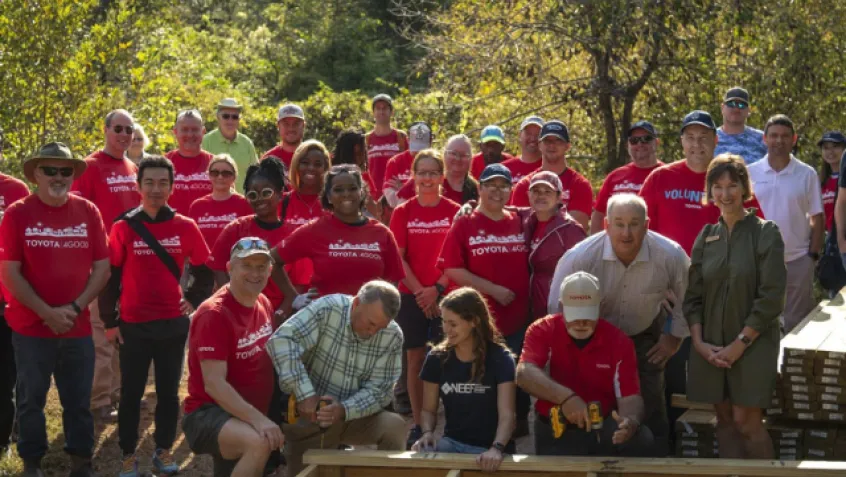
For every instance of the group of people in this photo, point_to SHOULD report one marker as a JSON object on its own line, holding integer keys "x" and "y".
{"x": 312, "y": 289}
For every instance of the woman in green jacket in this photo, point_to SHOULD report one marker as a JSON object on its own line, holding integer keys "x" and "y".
{"x": 732, "y": 304}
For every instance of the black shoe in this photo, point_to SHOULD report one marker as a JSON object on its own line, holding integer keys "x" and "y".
{"x": 414, "y": 435}
{"x": 521, "y": 429}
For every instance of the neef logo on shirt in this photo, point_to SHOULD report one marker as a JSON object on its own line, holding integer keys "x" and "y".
{"x": 464, "y": 388}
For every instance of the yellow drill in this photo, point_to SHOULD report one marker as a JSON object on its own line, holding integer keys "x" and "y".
{"x": 293, "y": 414}
{"x": 558, "y": 421}
{"x": 595, "y": 413}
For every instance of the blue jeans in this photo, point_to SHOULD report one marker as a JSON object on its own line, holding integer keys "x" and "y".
{"x": 70, "y": 361}
{"x": 515, "y": 343}
{"x": 445, "y": 444}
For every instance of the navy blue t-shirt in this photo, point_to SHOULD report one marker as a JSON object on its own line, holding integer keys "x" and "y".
{"x": 470, "y": 408}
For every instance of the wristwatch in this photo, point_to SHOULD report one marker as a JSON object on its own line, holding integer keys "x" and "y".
{"x": 75, "y": 307}
{"x": 499, "y": 446}
{"x": 744, "y": 339}
{"x": 441, "y": 289}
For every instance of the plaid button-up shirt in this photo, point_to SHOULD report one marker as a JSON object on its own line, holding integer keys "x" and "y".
{"x": 317, "y": 353}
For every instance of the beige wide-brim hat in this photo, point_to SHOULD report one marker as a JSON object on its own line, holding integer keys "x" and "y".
{"x": 53, "y": 150}
{"x": 229, "y": 103}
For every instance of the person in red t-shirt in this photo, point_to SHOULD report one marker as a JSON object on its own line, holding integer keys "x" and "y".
{"x": 383, "y": 142}
{"x": 458, "y": 186}
{"x": 643, "y": 149}
{"x": 398, "y": 170}
{"x": 590, "y": 360}
{"x": 530, "y": 155}
{"x": 148, "y": 250}
{"x": 54, "y": 263}
{"x": 230, "y": 376}
{"x": 346, "y": 248}
{"x": 492, "y": 147}
{"x": 108, "y": 182}
{"x": 291, "y": 123}
{"x": 420, "y": 227}
{"x": 190, "y": 162}
{"x": 264, "y": 184}
{"x": 351, "y": 148}
{"x": 577, "y": 194}
{"x": 215, "y": 211}
{"x": 832, "y": 144}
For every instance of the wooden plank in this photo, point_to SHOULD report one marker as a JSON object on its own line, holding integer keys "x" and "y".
{"x": 310, "y": 471}
{"x": 680, "y": 401}
{"x": 528, "y": 464}
{"x": 392, "y": 472}
{"x": 330, "y": 470}
{"x": 454, "y": 473}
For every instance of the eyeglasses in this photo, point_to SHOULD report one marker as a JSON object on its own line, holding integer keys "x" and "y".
{"x": 50, "y": 171}
{"x": 734, "y": 104}
{"x": 253, "y": 196}
{"x": 640, "y": 140}
{"x": 225, "y": 173}
{"x": 249, "y": 243}
{"x": 502, "y": 188}
{"x": 120, "y": 129}
{"x": 428, "y": 174}
{"x": 457, "y": 155}
{"x": 228, "y": 116}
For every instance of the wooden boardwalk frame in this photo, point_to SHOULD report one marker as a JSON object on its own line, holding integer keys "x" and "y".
{"x": 368, "y": 463}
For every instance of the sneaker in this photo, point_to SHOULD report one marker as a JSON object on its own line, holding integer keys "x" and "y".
{"x": 163, "y": 463}
{"x": 521, "y": 429}
{"x": 414, "y": 435}
{"x": 129, "y": 467}
{"x": 105, "y": 414}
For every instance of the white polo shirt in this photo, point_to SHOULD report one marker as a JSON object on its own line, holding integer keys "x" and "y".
{"x": 789, "y": 198}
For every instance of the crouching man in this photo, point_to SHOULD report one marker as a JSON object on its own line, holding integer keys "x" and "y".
{"x": 590, "y": 361}
{"x": 230, "y": 378}
{"x": 346, "y": 351}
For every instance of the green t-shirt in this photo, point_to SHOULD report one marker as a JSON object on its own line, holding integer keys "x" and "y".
{"x": 241, "y": 149}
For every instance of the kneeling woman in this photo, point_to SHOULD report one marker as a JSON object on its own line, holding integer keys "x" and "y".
{"x": 472, "y": 371}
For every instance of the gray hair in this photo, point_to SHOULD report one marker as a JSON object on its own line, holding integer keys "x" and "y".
{"x": 627, "y": 200}
{"x": 188, "y": 113}
{"x": 385, "y": 293}
{"x": 459, "y": 137}
{"x": 111, "y": 116}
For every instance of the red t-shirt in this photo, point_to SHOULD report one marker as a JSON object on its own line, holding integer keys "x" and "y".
{"x": 239, "y": 228}
{"x": 421, "y": 231}
{"x": 576, "y": 193}
{"x": 409, "y": 190}
{"x": 110, "y": 184}
{"x": 224, "y": 330}
{"x": 302, "y": 209}
{"x": 57, "y": 246}
{"x": 604, "y": 370}
{"x": 213, "y": 215}
{"x": 150, "y": 291}
{"x": 371, "y": 187}
{"x": 625, "y": 179}
{"x": 379, "y": 150}
{"x": 477, "y": 163}
{"x": 190, "y": 179}
{"x": 11, "y": 191}
{"x": 520, "y": 169}
{"x": 829, "y": 194}
{"x": 495, "y": 251}
{"x": 280, "y": 154}
{"x": 399, "y": 167}
{"x": 345, "y": 256}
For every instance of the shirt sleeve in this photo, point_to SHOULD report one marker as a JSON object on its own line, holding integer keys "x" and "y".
{"x": 199, "y": 250}
{"x": 536, "y": 344}
{"x": 84, "y": 185}
{"x": 520, "y": 194}
{"x": 814, "y": 195}
{"x": 99, "y": 239}
{"x": 377, "y": 390}
{"x": 290, "y": 342}
{"x": 431, "y": 370}
{"x": 453, "y": 251}
{"x": 694, "y": 303}
{"x": 399, "y": 226}
{"x": 394, "y": 272}
{"x": 117, "y": 252}
{"x": 678, "y": 283}
{"x": 648, "y": 191}
{"x": 505, "y": 369}
{"x": 566, "y": 267}
{"x": 772, "y": 279}
{"x": 211, "y": 336}
{"x": 297, "y": 245}
{"x": 11, "y": 245}
{"x": 221, "y": 247}
{"x": 601, "y": 204}
{"x": 626, "y": 379}
{"x": 581, "y": 196}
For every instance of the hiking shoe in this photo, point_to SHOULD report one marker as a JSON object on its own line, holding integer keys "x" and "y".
{"x": 105, "y": 414}
{"x": 414, "y": 435}
{"x": 129, "y": 467}
{"x": 163, "y": 463}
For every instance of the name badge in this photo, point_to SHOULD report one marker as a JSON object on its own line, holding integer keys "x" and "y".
{"x": 712, "y": 238}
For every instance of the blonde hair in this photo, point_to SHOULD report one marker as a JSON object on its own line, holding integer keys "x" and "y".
{"x": 432, "y": 154}
{"x": 301, "y": 152}
{"x": 223, "y": 157}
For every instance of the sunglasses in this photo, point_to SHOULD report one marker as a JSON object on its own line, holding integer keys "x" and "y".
{"x": 224, "y": 173}
{"x": 249, "y": 243}
{"x": 228, "y": 116}
{"x": 253, "y": 196}
{"x": 120, "y": 129}
{"x": 640, "y": 140}
{"x": 734, "y": 104}
{"x": 50, "y": 171}
{"x": 428, "y": 174}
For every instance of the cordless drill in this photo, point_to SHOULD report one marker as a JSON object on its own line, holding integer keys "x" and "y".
{"x": 558, "y": 421}
{"x": 320, "y": 405}
{"x": 595, "y": 414}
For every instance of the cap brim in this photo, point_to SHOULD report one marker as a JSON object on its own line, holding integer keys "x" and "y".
{"x": 223, "y": 106}
{"x": 546, "y": 183}
{"x": 559, "y": 136}
{"x": 250, "y": 252}
{"x": 524, "y": 126}
{"x": 495, "y": 176}
{"x": 298, "y": 116}
{"x": 833, "y": 141}
{"x": 493, "y": 138}
{"x": 573, "y": 313}
{"x": 735, "y": 98}
{"x": 692, "y": 123}
{"x": 415, "y": 146}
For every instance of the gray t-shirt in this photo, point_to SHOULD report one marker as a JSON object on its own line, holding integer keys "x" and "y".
{"x": 749, "y": 144}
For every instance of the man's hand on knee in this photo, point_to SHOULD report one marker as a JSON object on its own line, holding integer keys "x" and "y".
{"x": 269, "y": 431}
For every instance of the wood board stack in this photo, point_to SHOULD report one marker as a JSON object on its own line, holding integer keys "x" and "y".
{"x": 695, "y": 434}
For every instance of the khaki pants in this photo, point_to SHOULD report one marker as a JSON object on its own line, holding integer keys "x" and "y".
{"x": 385, "y": 429}
{"x": 106, "y": 362}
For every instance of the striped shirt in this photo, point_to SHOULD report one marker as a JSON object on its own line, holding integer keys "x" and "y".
{"x": 317, "y": 353}
{"x": 631, "y": 296}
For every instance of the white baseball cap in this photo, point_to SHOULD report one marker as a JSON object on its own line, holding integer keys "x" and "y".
{"x": 580, "y": 297}
{"x": 290, "y": 111}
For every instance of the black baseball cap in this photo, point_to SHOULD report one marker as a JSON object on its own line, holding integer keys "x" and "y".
{"x": 738, "y": 94}
{"x": 645, "y": 125}
{"x": 492, "y": 171}
{"x": 699, "y": 117}
{"x": 836, "y": 137}
{"x": 555, "y": 128}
